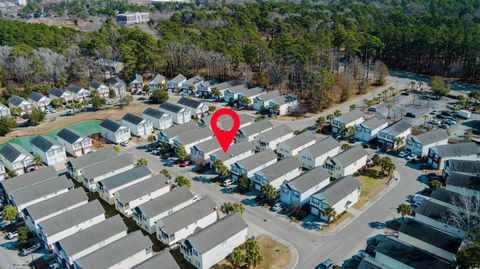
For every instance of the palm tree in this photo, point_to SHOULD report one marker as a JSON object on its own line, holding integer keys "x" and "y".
{"x": 412, "y": 84}
{"x": 16, "y": 111}
{"x": 404, "y": 209}
{"x": 399, "y": 141}
{"x": 117, "y": 148}
{"x": 236, "y": 257}
{"x": 330, "y": 213}
{"x": 330, "y": 117}
{"x": 151, "y": 138}
{"x": 384, "y": 93}
{"x": 183, "y": 181}
{"x": 337, "y": 113}
{"x": 389, "y": 107}
{"x": 321, "y": 121}
{"x": 37, "y": 160}
{"x": 425, "y": 118}
{"x": 142, "y": 162}
{"x": 353, "y": 107}
{"x": 436, "y": 184}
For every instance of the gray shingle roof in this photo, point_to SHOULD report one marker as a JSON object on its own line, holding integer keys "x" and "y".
{"x": 238, "y": 88}
{"x": 371, "y": 263}
{"x": 279, "y": 168}
{"x": 252, "y": 92}
{"x": 256, "y": 127}
{"x": 275, "y": 133}
{"x": 309, "y": 179}
{"x": 41, "y": 189}
{"x": 123, "y": 178}
{"x": 300, "y": 140}
{"x": 445, "y": 196}
{"x": 158, "y": 79}
{"x": 69, "y": 135}
{"x": 95, "y": 84}
{"x": 430, "y": 235}
{"x": 452, "y": 150}
{"x": 171, "y": 107}
{"x": 92, "y": 235}
{"x": 188, "y": 215}
{"x": 74, "y": 88}
{"x": 410, "y": 255}
{"x": 463, "y": 181}
{"x": 269, "y": 95}
{"x": 398, "y": 127}
{"x": 432, "y": 210}
{"x": 257, "y": 159}
{"x": 234, "y": 150}
{"x": 350, "y": 116}
{"x": 163, "y": 203}
{"x": 175, "y": 131}
{"x": 374, "y": 122}
{"x": 28, "y": 179}
{"x": 15, "y": 100}
{"x": 195, "y": 135}
{"x": 431, "y": 137}
{"x": 323, "y": 146}
{"x": 179, "y": 78}
{"x": 115, "y": 252}
{"x": 111, "y": 125}
{"x": 339, "y": 189}
{"x": 155, "y": 113}
{"x": 12, "y": 151}
{"x": 35, "y": 96}
{"x": 192, "y": 103}
{"x": 115, "y": 80}
{"x": 163, "y": 257}
{"x": 142, "y": 188}
{"x": 92, "y": 158}
{"x": 107, "y": 166}
{"x": 350, "y": 156}
{"x": 195, "y": 79}
{"x": 137, "y": 78}
{"x": 224, "y": 85}
{"x": 43, "y": 143}
{"x": 227, "y": 123}
{"x": 71, "y": 218}
{"x": 219, "y": 232}
{"x": 57, "y": 203}
{"x": 464, "y": 166}
{"x": 56, "y": 92}
{"x": 133, "y": 119}
{"x": 208, "y": 146}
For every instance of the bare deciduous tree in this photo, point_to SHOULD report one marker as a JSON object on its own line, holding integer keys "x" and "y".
{"x": 465, "y": 213}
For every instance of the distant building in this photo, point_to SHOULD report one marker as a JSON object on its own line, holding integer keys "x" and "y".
{"x": 177, "y": 82}
{"x": 157, "y": 82}
{"x": 24, "y": 105}
{"x": 159, "y": 119}
{"x": 114, "y": 131}
{"x": 104, "y": 169}
{"x": 249, "y": 166}
{"x": 297, "y": 192}
{"x": 248, "y": 133}
{"x": 293, "y": 146}
{"x": 76, "y": 166}
{"x": 39, "y": 100}
{"x": 283, "y": 105}
{"x": 56, "y": 93}
{"x": 271, "y": 138}
{"x": 197, "y": 109}
{"x": 235, "y": 153}
{"x": 78, "y": 93}
{"x": 168, "y": 135}
{"x": 139, "y": 126}
{"x": 370, "y": 128}
{"x": 316, "y": 154}
{"x": 347, "y": 162}
{"x": 277, "y": 173}
{"x": 133, "y": 18}
{"x": 136, "y": 85}
{"x": 179, "y": 114}
{"x": 390, "y": 136}
{"x": 102, "y": 89}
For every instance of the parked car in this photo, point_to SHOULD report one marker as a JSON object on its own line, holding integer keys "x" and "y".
{"x": 227, "y": 183}
{"x": 184, "y": 163}
{"x": 405, "y": 94}
{"x": 260, "y": 197}
{"x": 465, "y": 114}
{"x": 372, "y": 109}
{"x": 31, "y": 249}
{"x": 13, "y": 234}
{"x": 276, "y": 207}
{"x": 362, "y": 254}
{"x": 54, "y": 266}
{"x": 402, "y": 154}
{"x": 326, "y": 264}
{"x": 410, "y": 115}
{"x": 411, "y": 157}
{"x": 124, "y": 144}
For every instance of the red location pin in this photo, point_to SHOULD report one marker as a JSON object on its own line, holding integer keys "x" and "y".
{"x": 225, "y": 138}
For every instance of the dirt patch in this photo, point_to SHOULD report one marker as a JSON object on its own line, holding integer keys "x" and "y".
{"x": 275, "y": 255}
{"x": 370, "y": 188}
{"x": 60, "y": 122}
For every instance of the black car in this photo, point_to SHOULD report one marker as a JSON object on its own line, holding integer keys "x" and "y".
{"x": 260, "y": 197}
{"x": 405, "y": 94}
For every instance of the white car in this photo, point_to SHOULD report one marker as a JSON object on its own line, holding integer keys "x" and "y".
{"x": 402, "y": 154}
{"x": 13, "y": 234}
{"x": 411, "y": 157}
{"x": 227, "y": 183}
{"x": 30, "y": 250}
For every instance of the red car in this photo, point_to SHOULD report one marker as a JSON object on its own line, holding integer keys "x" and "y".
{"x": 184, "y": 164}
